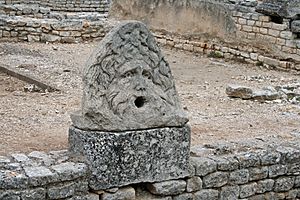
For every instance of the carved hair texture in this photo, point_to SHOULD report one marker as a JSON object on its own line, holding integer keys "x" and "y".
{"x": 128, "y": 84}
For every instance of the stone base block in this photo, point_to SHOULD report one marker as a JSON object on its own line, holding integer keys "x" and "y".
{"x": 121, "y": 158}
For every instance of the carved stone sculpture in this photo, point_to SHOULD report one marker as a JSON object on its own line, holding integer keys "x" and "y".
{"x": 128, "y": 84}
{"x": 131, "y": 128}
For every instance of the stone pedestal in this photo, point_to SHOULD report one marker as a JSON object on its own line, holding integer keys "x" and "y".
{"x": 122, "y": 158}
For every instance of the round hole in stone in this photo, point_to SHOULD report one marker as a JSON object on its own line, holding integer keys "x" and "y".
{"x": 139, "y": 102}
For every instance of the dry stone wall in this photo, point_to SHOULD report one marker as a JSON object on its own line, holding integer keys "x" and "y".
{"x": 266, "y": 173}
{"x": 33, "y": 23}
{"x": 66, "y": 5}
{"x": 256, "y": 38}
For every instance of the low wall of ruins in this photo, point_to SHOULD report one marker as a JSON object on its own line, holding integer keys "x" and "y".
{"x": 52, "y": 30}
{"x": 230, "y": 29}
{"x": 219, "y": 29}
{"x": 270, "y": 173}
{"x": 65, "y": 5}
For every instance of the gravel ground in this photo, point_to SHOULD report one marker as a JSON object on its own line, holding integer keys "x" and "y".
{"x": 39, "y": 121}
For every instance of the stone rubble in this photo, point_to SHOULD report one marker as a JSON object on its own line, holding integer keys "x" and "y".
{"x": 285, "y": 93}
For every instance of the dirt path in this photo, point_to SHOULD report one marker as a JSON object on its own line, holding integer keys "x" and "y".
{"x": 40, "y": 121}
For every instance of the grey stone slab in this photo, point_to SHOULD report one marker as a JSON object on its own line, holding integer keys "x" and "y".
{"x": 70, "y": 170}
{"x": 20, "y": 158}
{"x": 4, "y": 160}
{"x": 295, "y": 26}
{"x": 128, "y": 85}
{"x": 40, "y": 175}
{"x": 165, "y": 188}
{"x": 10, "y": 195}
{"x": 38, "y": 193}
{"x": 293, "y": 169}
{"x": 193, "y": 184}
{"x": 230, "y": 193}
{"x": 216, "y": 179}
{"x": 206, "y": 194}
{"x": 297, "y": 181}
{"x": 185, "y": 196}
{"x": 117, "y": 159}
{"x": 239, "y": 177}
{"x": 226, "y": 163}
{"x": 127, "y": 193}
{"x": 249, "y": 159}
{"x": 265, "y": 186}
{"x": 203, "y": 165}
{"x": 289, "y": 154}
{"x": 61, "y": 191}
{"x": 41, "y": 157}
{"x": 12, "y": 180}
{"x": 269, "y": 157}
{"x": 277, "y": 170}
{"x": 248, "y": 190}
{"x": 284, "y": 184}
{"x": 258, "y": 173}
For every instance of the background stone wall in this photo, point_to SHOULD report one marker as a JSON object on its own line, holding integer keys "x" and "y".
{"x": 224, "y": 28}
{"x": 265, "y": 173}
{"x": 35, "y": 23}
{"x": 66, "y": 5}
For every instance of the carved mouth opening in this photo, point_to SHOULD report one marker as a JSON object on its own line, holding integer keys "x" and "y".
{"x": 139, "y": 102}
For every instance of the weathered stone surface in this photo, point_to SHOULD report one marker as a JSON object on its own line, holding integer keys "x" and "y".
{"x": 265, "y": 186}
{"x": 61, "y": 191}
{"x": 127, "y": 193}
{"x": 226, "y": 163}
{"x": 289, "y": 154}
{"x": 193, "y": 184}
{"x": 258, "y": 173}
{"x": 203, "y": 166}
{"x": 281, "y": 8}
{"x": 238, "y": 91}
{"x": 70, "y": 170}
{"x": 40, "y": 175}
{"x": 243, "y": 92}
{"x": 248, "y": 190}
{"x": 216, "y": 179}
{"x": 229, "y": 193}
{"x": 117, "y": 159}
{"x": 284, "y": 184}
{"x": 165, "y": 188}
{"x": 277, "y": 170}
{"x": 297, "y": 181}
{"x": 38, "y": 193}
{"x": 185, "y": 196}
{"x": 128, "y": 84}
{"x": 206, "y": 194}
{"x": 269, "y": 157}
{"x": 20, "y": 158}
{"x": 239, "y": 177}
{"x": 249, "y": 159}
{"x": 295, "y": 26}
{"x": 12, "y": 180}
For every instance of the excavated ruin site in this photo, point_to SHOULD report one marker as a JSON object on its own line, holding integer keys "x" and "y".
{"x": 236, "y": 66}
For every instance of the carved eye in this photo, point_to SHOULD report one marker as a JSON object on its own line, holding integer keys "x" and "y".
{"x": 147, "y": 74}
{"x": 128, "y": 74}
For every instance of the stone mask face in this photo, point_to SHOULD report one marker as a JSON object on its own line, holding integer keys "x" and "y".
{"x": 128, "y": 85}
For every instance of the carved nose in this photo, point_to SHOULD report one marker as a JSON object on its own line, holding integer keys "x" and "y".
{"x": 140, "y": 86}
